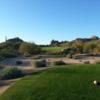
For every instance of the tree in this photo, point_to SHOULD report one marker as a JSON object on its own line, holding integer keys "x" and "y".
{"x": 29, "y": 48}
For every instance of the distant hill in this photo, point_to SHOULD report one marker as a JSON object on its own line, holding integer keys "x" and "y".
{"x": 93, "y": 38}
{"x": 15, "y": 40}
{"x": 10, "y": 48}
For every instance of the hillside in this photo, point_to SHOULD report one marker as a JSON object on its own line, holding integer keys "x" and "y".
{"x": 71, "y": 82}
{"x": 11, "y": 47}
{"x": 15, "y": 40}
{"x": 16, "y": 47}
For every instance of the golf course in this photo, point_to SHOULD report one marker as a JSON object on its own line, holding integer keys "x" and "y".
{"x": 67, "y": 82}
{"x": 49, "y": 49}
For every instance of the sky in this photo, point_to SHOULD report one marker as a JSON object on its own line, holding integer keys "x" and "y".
{"x": 40, "y": 21}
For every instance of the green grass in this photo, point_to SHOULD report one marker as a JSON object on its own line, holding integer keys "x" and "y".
{"x": 52, "y": 50}
{"x": 71, "y": 82}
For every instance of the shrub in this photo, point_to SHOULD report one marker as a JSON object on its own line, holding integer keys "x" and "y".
{"x": 59, "y": 63}
{"x": 27, "y": 49}
{"x": 75, "y": 57}
{"x": 86, "y": 62}
{"x": 69, "y": 56}
{"x": 1, "y": 66}
{"x": 19, "y": 62}
{"x": 97, "y": 62}
{"x": 10, "y": 73}
{"x": 37, "y": 57}
{"x": 40, "y": 63}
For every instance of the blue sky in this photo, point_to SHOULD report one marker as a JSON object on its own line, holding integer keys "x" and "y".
{"x": 40, "y": 21}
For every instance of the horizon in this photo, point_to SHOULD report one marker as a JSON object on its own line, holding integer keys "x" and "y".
{"x": 6, "y": 38}
{"x": 41, "y": 21}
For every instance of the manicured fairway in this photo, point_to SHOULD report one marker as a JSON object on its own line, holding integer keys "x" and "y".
{"x": 52, "y": 49}
{"x": 70, "y": 82}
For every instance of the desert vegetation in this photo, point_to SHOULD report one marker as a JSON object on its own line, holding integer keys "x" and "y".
{"x": 11, "y": 73}
{"x": 56, "y": 63}
{"x": 17, "y": 47}
{"x": 40, "y": 63}
{"x": 90, "y": 46}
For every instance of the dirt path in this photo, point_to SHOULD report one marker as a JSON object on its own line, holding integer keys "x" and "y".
{"x": 3, "y": 89}
{"x": 5, "y": 84}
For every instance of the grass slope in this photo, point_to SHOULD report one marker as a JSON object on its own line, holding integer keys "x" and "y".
{"x": 72, "y": 82}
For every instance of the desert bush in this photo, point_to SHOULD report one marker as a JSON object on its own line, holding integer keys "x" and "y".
{"x": 1, "y": 66}
{"x": 10, "y": 73}
{"x": 40, "y": 63}
{"x": 28, "y": 49}
{"x": 75, "y": 57}
{"x": 86, "y": 62}
{"x": 97, "y": 62}
{"x": 59, "y": 63}
{"x": 37, "y": 57}
{"x": 19, "y": 62}
{"x": 69, "y": 56}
